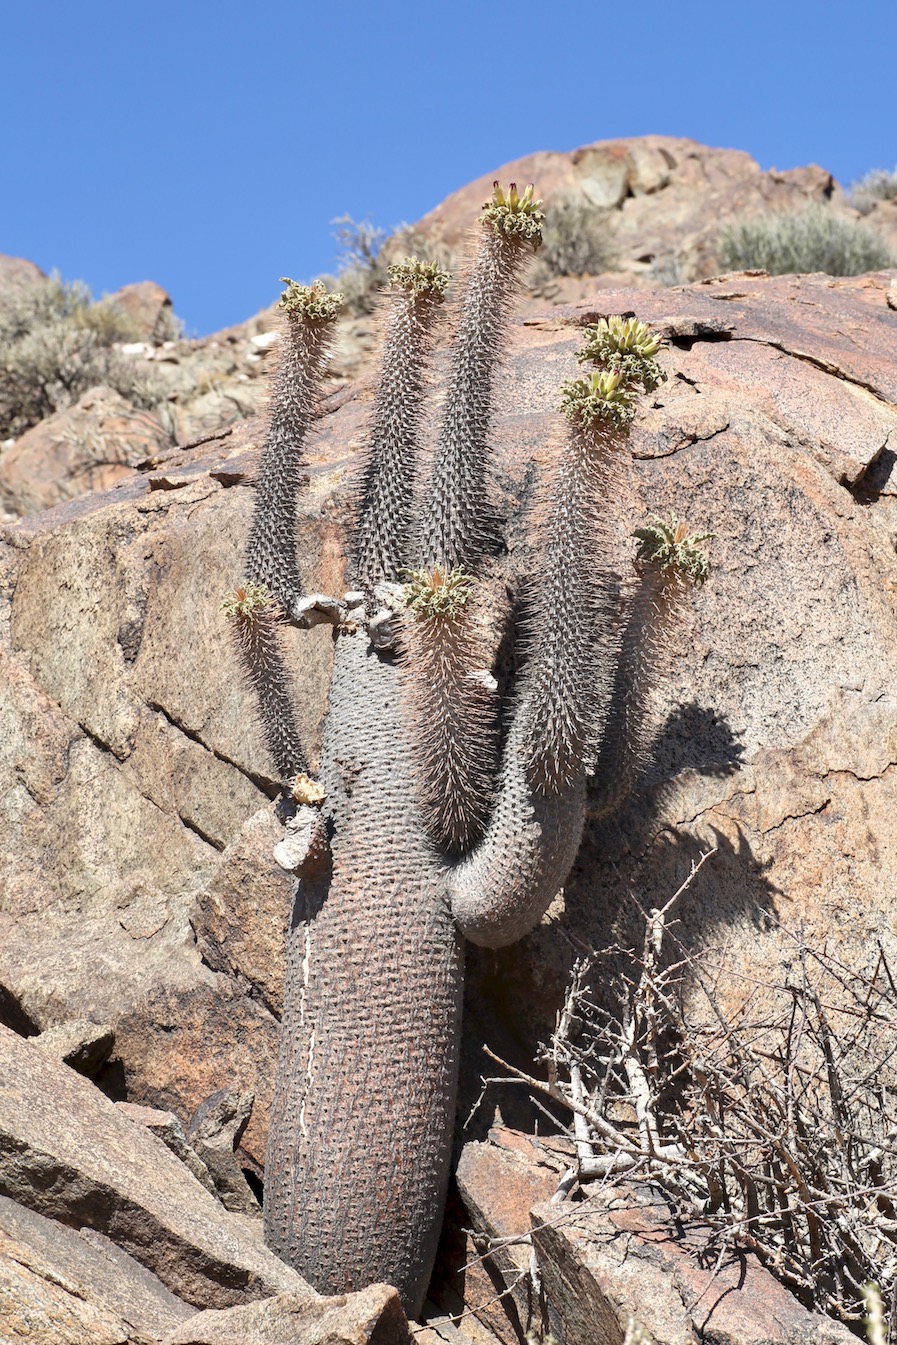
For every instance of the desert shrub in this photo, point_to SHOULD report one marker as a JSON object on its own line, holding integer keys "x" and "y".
{"x": 772, "y": 1121}
{"x": 361, "y": 272}
{"x": 576, "y": 240}
{"x": 668, "y": 271}
{"x": 54, "y": 345}
{"x": 879, "y": 185}
{"x": 168, "y": 327}
{"x": 800, "y": 241}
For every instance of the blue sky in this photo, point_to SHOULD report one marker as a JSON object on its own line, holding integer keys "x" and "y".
{"x": 207, "y": 146}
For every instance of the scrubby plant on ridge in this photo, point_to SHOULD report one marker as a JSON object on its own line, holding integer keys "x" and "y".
{"x": 798, "y": 242}
{"x": 576, "y": 240}
{"x": 366, "y": 254}
{"x": 443, "y": 817}
{"x": 877, "y": 185}
{"x": 55, "y": 343}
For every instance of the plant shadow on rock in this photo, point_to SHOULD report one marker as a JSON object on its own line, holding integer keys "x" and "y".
{"x": 694, "y": 737}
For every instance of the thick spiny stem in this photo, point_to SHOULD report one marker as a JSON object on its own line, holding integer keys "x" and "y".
{"x": 568, "y": 683}
{"x": 382, "y": 546}
{"x": 364, "y": 1099}
{"x": 450, "y": 707}
{"x": 501, "y": 889}
{"x": 306, "y": 337}
{"x": 456, "y": 516}
{"x": 499, "y": 892}
{"x": 256, "y": 618}
{"x": 670, "y": 562}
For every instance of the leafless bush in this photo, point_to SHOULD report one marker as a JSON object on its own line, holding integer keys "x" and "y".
{"x": 55, "y": 344}
{"x": 576, "y": 239}
{"x": 774, "y": 1123}
{"x": 366, "y": 253}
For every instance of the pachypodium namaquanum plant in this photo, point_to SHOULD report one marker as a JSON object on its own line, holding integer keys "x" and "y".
{"x": 440, "y": 815}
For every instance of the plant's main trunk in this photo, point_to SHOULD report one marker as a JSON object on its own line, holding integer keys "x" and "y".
{"x": 364, "y": 1107}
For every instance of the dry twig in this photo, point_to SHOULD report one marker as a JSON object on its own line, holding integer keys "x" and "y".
{"x": 773, "y": 1122}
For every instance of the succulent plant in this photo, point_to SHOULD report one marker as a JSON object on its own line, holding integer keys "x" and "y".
{"x": 628, "y": 345}
{"x": 440, "y": 815}
{"x": 675, "y": 551}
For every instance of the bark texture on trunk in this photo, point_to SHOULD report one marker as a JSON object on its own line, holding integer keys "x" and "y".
{"x": 361, "y": 1132}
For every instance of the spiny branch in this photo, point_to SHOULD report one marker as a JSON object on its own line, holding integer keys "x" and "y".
{"x": 306, "y": 337}
{"x": 450, "y": 704}
{"x": 456, "y": 515}
{"x": 382, "y": 546}
{"x": 256, "y": 619}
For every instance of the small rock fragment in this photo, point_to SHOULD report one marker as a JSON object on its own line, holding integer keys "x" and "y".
{"x": 372, "y": 1317}
{"x": 214, "y": 1133}
{"x": 170, "y": 1131}
{"x": 82, "y": 1045}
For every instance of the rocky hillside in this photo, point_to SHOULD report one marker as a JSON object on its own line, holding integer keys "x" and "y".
{"x": 646, "y": 212}
{"x": 141, "y": 913}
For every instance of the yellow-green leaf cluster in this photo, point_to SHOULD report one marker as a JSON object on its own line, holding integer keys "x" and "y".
{"x": 668, "y": 544}
{"x": 625, "y": 344}
{"x": 309, "y": 303}
{"x": 437, "y": 592}
{"x": 601, "y": 396}
{"x": 247, "y": 600}
{"x": 514, "y": 214}
{"x": 420, "y": 276}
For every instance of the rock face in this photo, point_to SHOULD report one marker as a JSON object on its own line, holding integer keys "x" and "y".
{"x": 16, "y": 273}
{"x": 132, "y": 756}
{"x": 137, "y": 890}
{"x": 62, "y": 1286}
{"x": 167, "y": 777}
{"x": 88, "y": 446}
{"x": 666, "y": 199}
{"x": 67, "y": 1152}
{"x": 372, "y": 1317}
{"x": 604, "y": 1269}
{"x": 149, "y": 308}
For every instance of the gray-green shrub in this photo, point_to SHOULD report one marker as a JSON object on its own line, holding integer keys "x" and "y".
{"x": 800, "y": 241}
{"x": 575, "y": 240}
{"x": 879, "y": 185}
{"x": 54, "y": 345}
